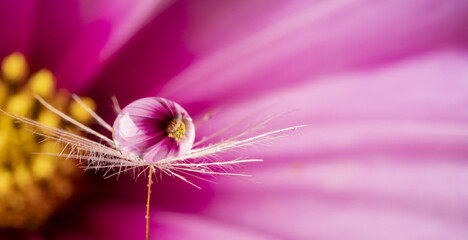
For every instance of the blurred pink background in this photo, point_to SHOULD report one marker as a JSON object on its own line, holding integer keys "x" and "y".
{"x": 382, "y": 86}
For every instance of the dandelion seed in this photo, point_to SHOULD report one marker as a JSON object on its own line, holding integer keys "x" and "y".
{"x": 150, "y": 134}
{"x": 153, "y": 133}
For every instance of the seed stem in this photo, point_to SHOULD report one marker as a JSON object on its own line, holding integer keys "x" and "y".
{"x": 148, "y": 202}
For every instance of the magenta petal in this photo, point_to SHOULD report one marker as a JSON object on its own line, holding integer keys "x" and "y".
{"x": 384, "y": 150}
{"x": 414, "y": 90}
{"x": 16, "y": 25}
{"x": 142, "y": 128}
{"x": 76, "y": 38}
{"x": 151, "y": 58}
{"x": 353, "y": 197}
{"x": 103, "y": 219}
{"x": 299, "y": 41}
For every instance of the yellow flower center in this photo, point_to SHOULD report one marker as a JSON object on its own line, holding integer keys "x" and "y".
{"x": 176, "y": 129}
{"x": 32, "y": 186}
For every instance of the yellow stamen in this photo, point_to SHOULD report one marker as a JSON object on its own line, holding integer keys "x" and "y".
{"x": 176, "y": 129}
{"x": 42, "y": 83}
{"x": 79, "y": 113}
{"x": 49, "y": 119}
{"x": 25, "y": 140}
{"x": 22, "y": 176}
{"x": 43, "y": 166}
{"x": 32, "y": 186}
{"x": 6, "y": 182}
{"x": 3, "y": 145}
{"x": 20, "y": 104}
{"x": 3, "y": 93}
{"x": 15, "y": 68}
{"x": 60, "y": 100}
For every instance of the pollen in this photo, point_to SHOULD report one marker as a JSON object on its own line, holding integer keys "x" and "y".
{"x": 15, "y": 68}
{"x": 42, "y": 83}
{"x": 176, "y": 129}
{"x": 32, "y": 186}
{"x": 78, "y": 112}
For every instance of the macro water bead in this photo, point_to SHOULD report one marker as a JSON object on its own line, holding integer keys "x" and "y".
{"x": 154, "y": 129}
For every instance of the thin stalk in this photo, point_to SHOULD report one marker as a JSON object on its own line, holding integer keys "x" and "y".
{"x": 148, "y": 202}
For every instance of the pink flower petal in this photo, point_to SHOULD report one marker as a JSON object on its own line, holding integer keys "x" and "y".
{"x": 76, "y": 38}
{"x": 16, "y": 25}
{"x": 363, "y": 197}
{"x": 151, "y": 58}
{"x": 285, "y": 42}
{"x": 412, "y": 91}
{"x": 103, "y": 220}
{"x": 384, "y": 157}
{"x": 302, "y": 41}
